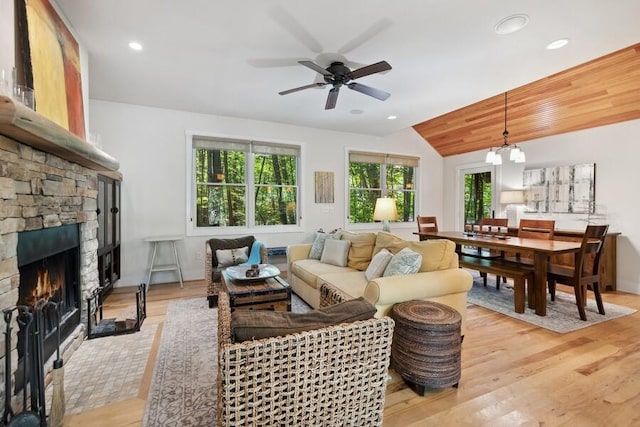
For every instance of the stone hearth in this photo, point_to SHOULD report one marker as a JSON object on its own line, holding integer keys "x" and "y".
{"x": 48, "y": 178}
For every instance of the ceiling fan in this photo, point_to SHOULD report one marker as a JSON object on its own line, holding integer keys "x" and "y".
{"x": 338, "y": 74}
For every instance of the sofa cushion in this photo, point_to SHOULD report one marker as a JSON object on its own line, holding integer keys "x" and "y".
{"x": 235, "y": 256}
{"x": 404, "y": 262}
{"x": 335, "y": 252}
{"x": 378, "y": 264}
{"x": 436, "y": 254}
{"x": 362, "y": 245}
{"x": 389, "y": 241}
{"x": 310, "y": 269}
{"x": 258, "y": 324}
{"x": 351, "y": 283}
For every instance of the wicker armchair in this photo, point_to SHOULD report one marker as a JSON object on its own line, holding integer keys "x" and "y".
{"x": 334, "y": 376}
{"x": 211, "y": 270}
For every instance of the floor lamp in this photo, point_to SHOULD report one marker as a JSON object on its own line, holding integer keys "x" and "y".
{"x": 514, "y": 199}
{"x": 385, "y": 211}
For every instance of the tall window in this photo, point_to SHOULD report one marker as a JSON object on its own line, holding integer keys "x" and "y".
{"x": 244, "y": 183}
{"x": 373, "y": 175}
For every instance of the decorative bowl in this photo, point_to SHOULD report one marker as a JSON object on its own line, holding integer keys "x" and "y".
{"x": 239, "y": 272}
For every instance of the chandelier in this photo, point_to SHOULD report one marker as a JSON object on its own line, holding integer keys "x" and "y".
{"x": 494, "y": 156}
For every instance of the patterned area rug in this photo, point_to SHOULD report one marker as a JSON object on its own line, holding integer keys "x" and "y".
{"x": 562, "y": 314}
{"x": 183, "y": 388}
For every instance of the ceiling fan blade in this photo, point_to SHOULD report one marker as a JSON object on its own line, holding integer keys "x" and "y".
{"x": 368, "y": 90}
{"x": 286, "y": 92}
{"x": 370, "y": 69}
{"x": 315, "y": 67}
{"x": 332, "y": 98}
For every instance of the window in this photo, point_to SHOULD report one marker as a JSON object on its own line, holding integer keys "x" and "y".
{"x": 243, "y": 183}
{"x": 373, "y": 175}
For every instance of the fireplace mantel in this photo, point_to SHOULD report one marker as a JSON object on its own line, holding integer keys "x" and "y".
{"x": 27, "y": 126}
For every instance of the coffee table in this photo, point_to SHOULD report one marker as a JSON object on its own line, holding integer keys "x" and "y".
{"x": 269, "y": 294}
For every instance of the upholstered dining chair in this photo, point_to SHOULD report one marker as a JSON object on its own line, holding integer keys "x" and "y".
{"x": 213, "y": 266}
{"x": 427, "y": 224}
{"x": 585, "y": 270}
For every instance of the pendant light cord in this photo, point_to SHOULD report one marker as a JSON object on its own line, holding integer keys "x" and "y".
{"x": 505, "y": 133}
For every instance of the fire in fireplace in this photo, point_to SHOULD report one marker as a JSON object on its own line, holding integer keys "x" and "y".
{"x": 49, "y": 265}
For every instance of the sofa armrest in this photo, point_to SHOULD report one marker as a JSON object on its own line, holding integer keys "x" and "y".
{"x": 297, "y": 252}
{"x": 432, "y": 284}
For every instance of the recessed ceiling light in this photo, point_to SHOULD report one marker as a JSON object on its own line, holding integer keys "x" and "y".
{"x": 557, "y": 44}
{"x": 135, "y": 46}
{"x": 511, "y": 24}
{"x": 392, "y": 117}
{"x": 356, "y": 111}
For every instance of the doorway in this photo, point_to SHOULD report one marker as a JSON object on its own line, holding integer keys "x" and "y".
{"x": 476, "y": 194}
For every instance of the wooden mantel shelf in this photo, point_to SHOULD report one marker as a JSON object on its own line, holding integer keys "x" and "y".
{"x": 28, "y": 127}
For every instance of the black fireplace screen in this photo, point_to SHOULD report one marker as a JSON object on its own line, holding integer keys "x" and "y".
{"x": 49, "y": 264}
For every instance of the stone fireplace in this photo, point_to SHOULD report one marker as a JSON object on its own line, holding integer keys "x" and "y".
{"x": 48, "y": 221}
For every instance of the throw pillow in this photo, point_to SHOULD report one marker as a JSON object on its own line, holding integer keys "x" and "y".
{"x": 389, "y": 241}
{"x": 250, "y": 324}
{"x": 228, "y": 257}
{"x": 335, "y": 252}
{"x": 404, "y": 262}
{"x": 361, "y": 248}
{"x": 378, "y": 265}
{"x": 318, "y": 244}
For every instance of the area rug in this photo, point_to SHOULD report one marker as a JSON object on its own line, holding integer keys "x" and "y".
{"x": 562, "y": 314}
{"x": 183, "y": 387}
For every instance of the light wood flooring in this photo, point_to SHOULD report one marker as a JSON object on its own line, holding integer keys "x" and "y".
{"x": 513, "y": 374}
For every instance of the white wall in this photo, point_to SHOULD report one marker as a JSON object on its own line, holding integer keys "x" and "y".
{"x": 7, "y": 43}
{"x": 150, "y": 145}
{"x": 615, "y": 150}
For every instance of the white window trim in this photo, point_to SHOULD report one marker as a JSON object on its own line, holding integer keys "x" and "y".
{"x": 374, "y": 226}
{"x": 192, "y": 230}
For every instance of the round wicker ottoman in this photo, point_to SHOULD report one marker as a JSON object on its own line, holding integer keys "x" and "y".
{"x": 426, "y": 344}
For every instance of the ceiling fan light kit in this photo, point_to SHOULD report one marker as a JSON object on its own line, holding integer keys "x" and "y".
{"x": 516, "y": 155}
{"x": 338, "y": 75}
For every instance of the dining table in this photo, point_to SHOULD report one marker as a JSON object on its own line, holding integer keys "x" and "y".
{"x": 540, "y": 250}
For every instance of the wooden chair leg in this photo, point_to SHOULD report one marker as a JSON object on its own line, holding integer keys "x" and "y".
{"x": 484, "y": 278}
{"x": 596, "y": 292}
{"x": 531, "y": 295}
{"x": 580, "y": 292}
{"x": 552, "y": 289}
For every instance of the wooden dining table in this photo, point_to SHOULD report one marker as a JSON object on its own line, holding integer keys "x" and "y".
{"x": 540, "y": 250}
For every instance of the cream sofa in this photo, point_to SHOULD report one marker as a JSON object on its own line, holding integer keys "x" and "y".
{"x": 439, "y": 278}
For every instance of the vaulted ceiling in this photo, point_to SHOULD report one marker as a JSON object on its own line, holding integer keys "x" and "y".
{"x": 599, "y": 92}
{"x": 231, "y": 58}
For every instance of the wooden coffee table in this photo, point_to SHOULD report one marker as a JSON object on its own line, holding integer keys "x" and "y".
{"x": 269, "y": 294}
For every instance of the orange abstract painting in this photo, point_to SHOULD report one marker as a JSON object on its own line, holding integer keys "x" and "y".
{"x": 54, "y": 63}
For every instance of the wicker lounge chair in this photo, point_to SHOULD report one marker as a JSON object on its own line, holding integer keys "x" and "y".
{"x": 333, "y": 376}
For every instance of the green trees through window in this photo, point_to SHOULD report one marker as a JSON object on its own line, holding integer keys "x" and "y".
{"x": 373, "y": 175}
{"x": 477, "y": 197}
{"x": 227, "y": 172}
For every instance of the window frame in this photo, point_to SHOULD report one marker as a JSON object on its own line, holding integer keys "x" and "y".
{"x": 192, "y": 229}
{"x": 383, "y": 177}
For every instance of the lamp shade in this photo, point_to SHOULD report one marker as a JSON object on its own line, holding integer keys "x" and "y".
{"x": 512, "y": 197}
{"x": 385, "y": 209}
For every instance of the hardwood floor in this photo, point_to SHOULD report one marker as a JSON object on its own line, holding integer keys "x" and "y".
{"x": 512, "y": 373}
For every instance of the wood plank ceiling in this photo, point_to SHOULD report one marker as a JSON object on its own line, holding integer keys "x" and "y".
{"x": 599, "y": 92}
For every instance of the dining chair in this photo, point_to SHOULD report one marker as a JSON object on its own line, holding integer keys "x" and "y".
{"x": 487, "y": 253}
{"x": 427, "y": 224}
{"x": 541, "y": 229}
{"x": 585, "y": 270}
